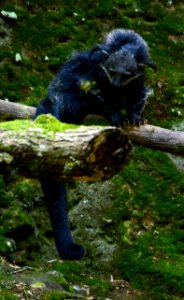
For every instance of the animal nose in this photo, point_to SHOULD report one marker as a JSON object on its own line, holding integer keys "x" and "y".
{"x": 116, "y": 81}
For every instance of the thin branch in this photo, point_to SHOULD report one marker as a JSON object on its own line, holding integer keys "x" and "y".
{"x": 148, "y": 135}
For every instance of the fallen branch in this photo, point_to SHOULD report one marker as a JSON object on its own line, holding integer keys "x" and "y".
{"x": 148, "y": 135}
{"x": 157, "y": 138}
{"x": 12, "y": 111}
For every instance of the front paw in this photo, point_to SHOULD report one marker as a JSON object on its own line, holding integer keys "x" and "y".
{"x": 71, "y": 251}
{"x": 136, "y": 121}
{"x": 119, "y": 122}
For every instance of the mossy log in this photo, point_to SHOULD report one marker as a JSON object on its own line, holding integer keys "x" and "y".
{"x": 148, "y": 135}
{"x": 64, "y": 153}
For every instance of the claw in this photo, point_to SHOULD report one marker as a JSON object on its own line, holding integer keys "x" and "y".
{"x": 138, "y": 122}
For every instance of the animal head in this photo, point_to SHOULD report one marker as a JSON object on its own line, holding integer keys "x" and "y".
{"x": 122, "y": 56}
{"x": 121, "y": 68}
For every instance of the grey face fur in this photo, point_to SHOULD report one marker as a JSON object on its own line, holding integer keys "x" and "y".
{"x": 121, "y": 68}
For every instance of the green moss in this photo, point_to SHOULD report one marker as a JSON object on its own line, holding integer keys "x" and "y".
{"x": 75, "y": 272}
{"x": 98, "y": 286}
{"x": 35, "y": 21}
{"x": 14, "y": 218}
{"x": 7, "y": 245}
{"x": 16, "y": 125}
{"x": 155, "y": 261}
{"x": 8, "y": 295}
{"x": 70, "y": 269}
{"x": 5, "y": 198}
{"x": 149, "y": 215}
{"x": 51, "y": 123}
{"x": 57, "y": 295}
{"x": 45, "y": 122}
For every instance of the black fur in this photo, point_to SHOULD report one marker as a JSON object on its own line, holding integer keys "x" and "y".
{"x": 99, "y": 81}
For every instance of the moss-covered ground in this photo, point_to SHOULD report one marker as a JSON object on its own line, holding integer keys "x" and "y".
{"x": 146, "y": 217}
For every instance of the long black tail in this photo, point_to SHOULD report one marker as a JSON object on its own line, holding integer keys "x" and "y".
{"x": 56, "y": 201}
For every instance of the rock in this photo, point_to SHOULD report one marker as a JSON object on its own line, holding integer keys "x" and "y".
{"x": 9, "y": 14}
{"x": 89, "y": 221}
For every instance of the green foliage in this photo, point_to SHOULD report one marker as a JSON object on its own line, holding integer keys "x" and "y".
{"x": 75, "y": 272}
{"x": 98, "y": 286}
{"x": 151, "y": 226}
{"x": 18, "y": 232}
{"x": 47, "y": 123}
{"x": 7, "y": 295}
{"x": 39, "y": 33}
{"x": 5, "y": 198}
{"x": 154, "y": 262}
{"x": 70, "y": 269}
{"x": 51, "y": 123}
{"x": 59, "y": 295}
{"x": 171, "y": 23}
{"x": 7, "y": 245}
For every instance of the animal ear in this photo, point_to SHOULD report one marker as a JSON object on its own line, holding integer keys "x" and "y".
{"x": 148, "y": 63}
{"x": 100, "y": 51}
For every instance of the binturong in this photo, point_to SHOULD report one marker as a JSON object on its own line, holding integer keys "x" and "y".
{"x": 103, "y": 81}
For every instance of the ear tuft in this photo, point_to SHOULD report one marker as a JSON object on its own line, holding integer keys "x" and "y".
{"x": 100, "y": 48}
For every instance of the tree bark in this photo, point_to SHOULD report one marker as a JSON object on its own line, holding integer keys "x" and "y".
{"x": 148, "y": 135}
{"x": 85, "y": 153}
{"x": 12, "y": 111}
{"x": 157, "y": 138}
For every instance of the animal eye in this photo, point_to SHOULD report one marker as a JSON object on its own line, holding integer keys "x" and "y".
{"x": 112, "y": 73}
{"x": 126, "y": 76}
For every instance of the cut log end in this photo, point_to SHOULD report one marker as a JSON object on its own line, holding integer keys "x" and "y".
{"x": 108, "y": 154}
